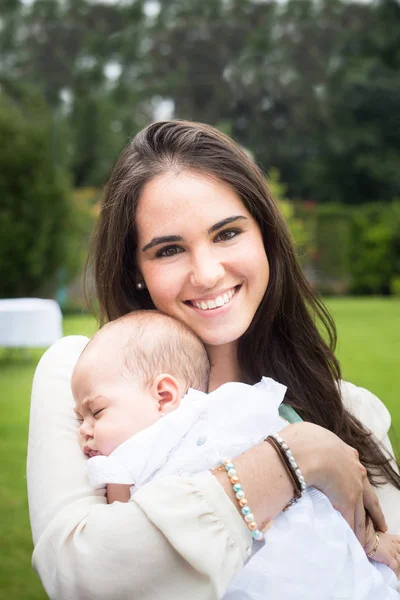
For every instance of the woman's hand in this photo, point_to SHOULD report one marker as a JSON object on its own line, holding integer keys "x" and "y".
{"x": 333, "y": 467}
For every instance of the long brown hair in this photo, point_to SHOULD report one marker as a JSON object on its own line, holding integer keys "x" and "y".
{"x": 283, "y": 340}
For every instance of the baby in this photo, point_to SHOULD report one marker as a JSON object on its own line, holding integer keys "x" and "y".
{"x": 145, "y": 366}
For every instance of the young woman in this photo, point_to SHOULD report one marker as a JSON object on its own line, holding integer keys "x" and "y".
{"x": 188, "y": 227}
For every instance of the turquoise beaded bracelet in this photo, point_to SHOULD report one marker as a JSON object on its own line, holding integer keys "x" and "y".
{"x": 241, "y": 497}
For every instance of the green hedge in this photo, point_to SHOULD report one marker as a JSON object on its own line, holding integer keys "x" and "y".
{"x": 353, "y": 249}
{"x": 375, "y": 249}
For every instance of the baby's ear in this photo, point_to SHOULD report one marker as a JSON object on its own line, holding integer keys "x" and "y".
{"x": 166, "y": 391}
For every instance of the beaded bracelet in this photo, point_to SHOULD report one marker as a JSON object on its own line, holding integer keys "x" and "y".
{"x": 291, "y": 466}
{"x": 241, "y": 497}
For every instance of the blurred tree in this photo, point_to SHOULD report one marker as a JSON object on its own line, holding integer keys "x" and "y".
{"x": 73, "y": 50}
{"x": 283, "y": 116}
{"x": 359, "y": 149}
{"x": 34, "y": 196}
{"x": 310, "y": 86}
{"x": 10, "y": 25}
{"x": 192, "y": 44}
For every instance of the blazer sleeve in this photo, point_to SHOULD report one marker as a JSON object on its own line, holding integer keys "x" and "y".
{"x": 375, "y": 416}
{"x": 178, "y": 536}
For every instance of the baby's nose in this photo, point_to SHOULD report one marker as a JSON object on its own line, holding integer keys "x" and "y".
{"x": 86, "y": 429}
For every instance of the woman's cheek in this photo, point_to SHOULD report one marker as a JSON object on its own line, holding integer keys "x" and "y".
{"x": 165, "y": 285}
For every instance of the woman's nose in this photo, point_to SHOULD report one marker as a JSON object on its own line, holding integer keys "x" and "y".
{"x": 206, "y": 270}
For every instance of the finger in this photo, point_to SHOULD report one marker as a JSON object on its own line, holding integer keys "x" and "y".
{"x": 371, "y": 503}
{"x": 359, "y": 521}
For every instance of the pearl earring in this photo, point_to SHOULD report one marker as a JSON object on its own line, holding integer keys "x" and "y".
{"x": 140, "y": 285}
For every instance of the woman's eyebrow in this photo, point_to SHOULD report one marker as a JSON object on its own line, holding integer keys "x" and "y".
{"x": 162, "y": 240}
{"x": 225, "y": 222}
{"x": 177, "y": 238}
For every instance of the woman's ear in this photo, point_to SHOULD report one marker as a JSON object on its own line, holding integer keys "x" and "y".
{"x": 166, "y": 390}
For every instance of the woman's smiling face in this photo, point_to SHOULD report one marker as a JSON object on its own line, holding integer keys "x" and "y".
{"x": 201, "y": 255}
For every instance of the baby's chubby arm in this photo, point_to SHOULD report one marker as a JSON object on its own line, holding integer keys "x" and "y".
{"x": 117, "y": 492}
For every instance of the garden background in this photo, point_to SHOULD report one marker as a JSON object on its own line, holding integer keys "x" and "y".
{"x": 310, "y": 88}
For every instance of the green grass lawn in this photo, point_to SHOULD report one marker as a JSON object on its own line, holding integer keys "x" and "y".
{"x": 369, "y": 349}
{"x": 369, "y": 346}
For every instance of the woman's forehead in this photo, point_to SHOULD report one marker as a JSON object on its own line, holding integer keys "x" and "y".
{"x": 178, "y": 200}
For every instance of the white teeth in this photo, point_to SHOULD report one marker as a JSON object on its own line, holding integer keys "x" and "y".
{"x": 217, "y": 302}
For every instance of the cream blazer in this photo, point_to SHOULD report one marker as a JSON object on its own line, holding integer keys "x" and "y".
{"x": 178, "y": 538}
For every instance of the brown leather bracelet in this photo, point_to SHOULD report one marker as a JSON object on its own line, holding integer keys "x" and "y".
{"x": 288, "y": 466}
{"x": 289, "y": 470}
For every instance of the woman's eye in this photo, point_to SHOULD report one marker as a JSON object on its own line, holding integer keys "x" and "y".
{"x": 169, "y": 251}
{"x": 97, "y": 413}
{"x": 79, "y": 421}
{"x": 226, "y": 235}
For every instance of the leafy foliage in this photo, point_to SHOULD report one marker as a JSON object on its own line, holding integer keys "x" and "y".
{"x": 353, "y": 249}
{"x": 34, "y": 209}
{"x": 375, "y": 249}
{"x": 309, "y": 86}
{"x": 301, "y": 234}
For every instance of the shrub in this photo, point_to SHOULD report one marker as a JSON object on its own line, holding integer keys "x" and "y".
{"x": 395, "y": 286}
{"x": 331, "y": 257}
{"x": 375, "y": 248}
{"x": 34, "y": 199}
{"x": 85, "y": 208}
{"x": 298, "y": 229}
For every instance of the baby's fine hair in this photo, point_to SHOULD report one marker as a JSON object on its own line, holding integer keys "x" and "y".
{"x": 156, "y": 343}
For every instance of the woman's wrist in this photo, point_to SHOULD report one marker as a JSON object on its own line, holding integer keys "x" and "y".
{"x": 264, "y": 478}
{"x": 291, "y": 466}
{"x": 299, "y": 437}
{"x": 370, "y": 537}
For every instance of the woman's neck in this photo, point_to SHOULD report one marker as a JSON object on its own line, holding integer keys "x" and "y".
{"x": 224, "y": 365}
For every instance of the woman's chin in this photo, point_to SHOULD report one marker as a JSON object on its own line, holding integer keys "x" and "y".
{"x": 222, "y": 339}
{"x": 217, "y": 332}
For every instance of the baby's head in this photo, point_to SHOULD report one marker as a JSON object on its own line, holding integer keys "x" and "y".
{"x": 132, "y": 372}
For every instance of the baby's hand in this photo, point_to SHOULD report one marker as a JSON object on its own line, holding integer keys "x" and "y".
{"x": 118, "y": 493}
{"x": 388, "y": 550}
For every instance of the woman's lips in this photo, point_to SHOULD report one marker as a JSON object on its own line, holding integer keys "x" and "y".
{"x": 209, "y": 308}
{"x": 217, "y": 301}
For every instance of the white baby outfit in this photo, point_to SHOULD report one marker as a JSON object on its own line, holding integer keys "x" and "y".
{"x": 310, "y": 552}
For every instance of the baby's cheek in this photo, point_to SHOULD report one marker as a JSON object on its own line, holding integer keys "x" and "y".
{"x": 105, "y": 438}
{"x": 125, "y": 432}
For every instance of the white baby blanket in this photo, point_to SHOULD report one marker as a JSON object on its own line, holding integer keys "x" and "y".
{"x": 310, "y": 552}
